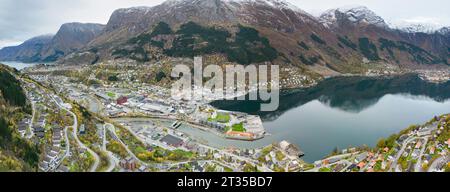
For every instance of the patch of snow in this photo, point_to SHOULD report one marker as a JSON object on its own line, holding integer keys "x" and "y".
{"x": 444, "y": 31}
{"x": 358, "y": 14}
{"x": 424, "y": 27}
{"x": 130, "y": 10}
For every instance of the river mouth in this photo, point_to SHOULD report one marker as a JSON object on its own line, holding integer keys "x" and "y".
{"x": 347, "y": 112}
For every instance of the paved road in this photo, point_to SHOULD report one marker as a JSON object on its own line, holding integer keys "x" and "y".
{"x": 433, "y": 166}
{"x": 104, "y": 138}
{"x": 33, "y": 111}
{"x": 251, "y": 161}
{"x": 344, "y": 161}
{"x": 418, "y": 166}
{"x": 67, "y": 152}
{"x": 81, "y": 144}
{"x": 171, "y": 165}
{"x": 112, "y": 161}
{"x": 96, "y": 163}
{"x": 30, "y": 127}
{"x": 67, "y": 144}
{"x": 399, "y": 153}
{"x": 111, "y": 128}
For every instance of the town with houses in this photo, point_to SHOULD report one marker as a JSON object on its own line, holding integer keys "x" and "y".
{"x": 135, "y": 127}
{"x": 111, "y": 128}
{"x": 418, "y": 149}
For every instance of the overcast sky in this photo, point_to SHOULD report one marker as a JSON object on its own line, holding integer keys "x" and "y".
{"x": 23, "y": 19}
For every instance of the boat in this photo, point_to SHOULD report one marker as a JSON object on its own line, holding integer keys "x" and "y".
{"x": 176, "y": 124}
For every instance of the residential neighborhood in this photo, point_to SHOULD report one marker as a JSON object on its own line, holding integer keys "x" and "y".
{"x": 138, "y": 127}
{"x": 417, "y": 149}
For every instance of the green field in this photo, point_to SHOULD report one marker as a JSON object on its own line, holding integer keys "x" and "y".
{"x": 110, "y": 94}
{"x": 238, "y": 128}
{"x": 221, "y": 118}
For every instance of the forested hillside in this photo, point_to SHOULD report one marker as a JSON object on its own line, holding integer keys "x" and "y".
{"x": 16, "y": 154}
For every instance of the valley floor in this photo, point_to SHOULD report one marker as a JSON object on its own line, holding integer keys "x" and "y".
{"x": 76, "y": 121}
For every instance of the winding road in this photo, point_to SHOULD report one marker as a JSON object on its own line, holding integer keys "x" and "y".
{"x": 393, "y": 167}
{"x": 111, "y": 159}
{"x": 66, "y": 137}
{"x": 418, "y": 166}
{"x": 434, "y": 165}
{"x": 251, "y": 161}
{"x": 30, "y": 127}
{"x": 81, "y": 144}
{"x": 112, "y": 130}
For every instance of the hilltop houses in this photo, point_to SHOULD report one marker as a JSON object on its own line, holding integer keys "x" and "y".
{"x": 22, "y": 127}
{"x": 129, "y": 164}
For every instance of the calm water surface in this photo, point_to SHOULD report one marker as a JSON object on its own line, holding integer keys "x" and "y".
{"x": 348, "y": 111}
{"x": 17, "y": 65}
{"x": 339, "y": 112}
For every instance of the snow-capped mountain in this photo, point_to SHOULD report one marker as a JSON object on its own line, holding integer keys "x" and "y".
{"x": 273, "y": 3}
{"x": 274, "y": 30}
{"x": 419, "y": 28}
{"x": 269, "y": 13}
{"x": 281, "y": 4}
{"x": 444, "y": 31}
{"x": 356, "y": 15}
{"x": 205, "y": 10}
{"x": 428, "y": 28}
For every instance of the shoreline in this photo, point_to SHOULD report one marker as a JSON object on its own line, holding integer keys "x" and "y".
{"x": 344, "y": 75}
{"x": 367, "y": 76}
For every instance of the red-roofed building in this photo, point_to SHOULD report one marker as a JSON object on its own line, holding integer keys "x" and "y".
{"x": 122, "y": 100}
{"x": 361, "y": 165}
{"x": 432, "y": 150}
{"x": 418, "y": 145}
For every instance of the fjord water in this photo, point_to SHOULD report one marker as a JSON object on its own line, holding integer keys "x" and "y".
{"x": 348, "y": 111}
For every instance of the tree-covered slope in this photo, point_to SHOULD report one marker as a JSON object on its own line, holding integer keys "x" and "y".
{"x": 246, "y": 46}
{"x": 16, "y": 153}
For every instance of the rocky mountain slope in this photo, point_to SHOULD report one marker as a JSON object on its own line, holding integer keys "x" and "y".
{"x": 340, "y": 40}
{"x": 377, "y": 41}
{"x": 418, "y": 28}
{"x": 48, "y": 48}
{"x": 27, "y": 51}
{"x": 295, "y": 35}
{"x": 360, "y": 16}
{"x": 73, "y": 36}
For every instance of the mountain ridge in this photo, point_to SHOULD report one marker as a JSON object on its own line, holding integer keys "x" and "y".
{"x": 340, "y": 40}
{"x": 48, "y": 48}
{"x": 357, "y": 15}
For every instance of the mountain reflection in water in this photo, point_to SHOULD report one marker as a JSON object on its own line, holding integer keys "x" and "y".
{"x": 349, "y": 94}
